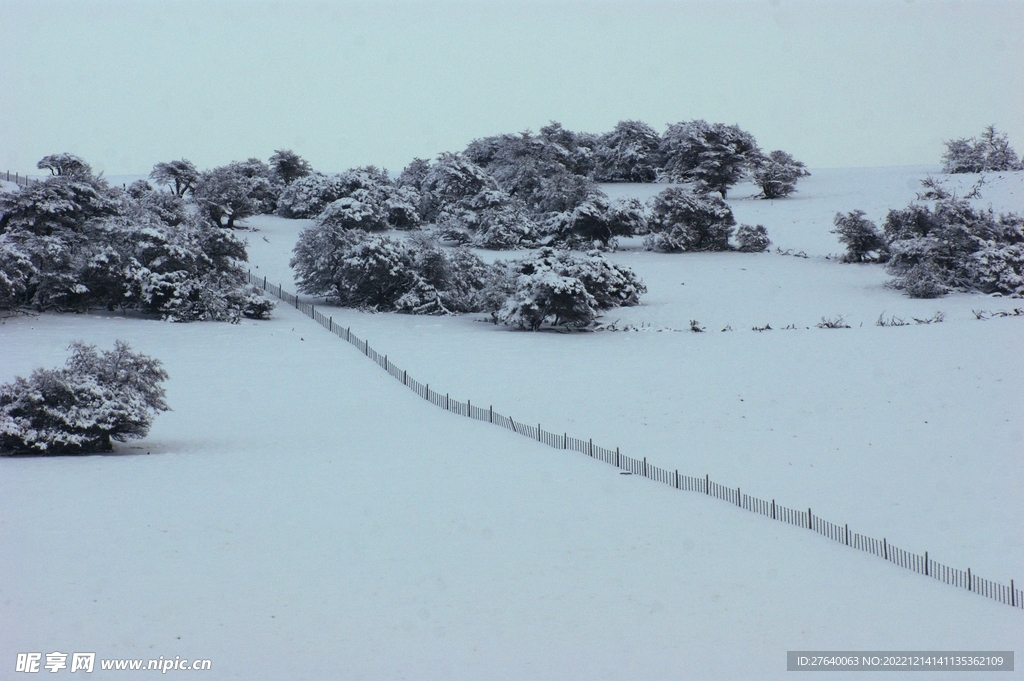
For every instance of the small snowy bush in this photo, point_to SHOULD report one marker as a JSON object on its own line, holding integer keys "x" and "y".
{"x": 563, "y": 289}
{"x": 97, "y": 398}
{"x": 236, "y": 191}
{"x": 597, "y": 220}
{"x": 752, "y": 239}
{"x": 991, "y": 153}
{"x": 864, "y": 242}
{"x": 777, "y": 174}
{"x": 490, "y": 219}
{"x": 358, "y": 211}
{"x": 686, "y": 220}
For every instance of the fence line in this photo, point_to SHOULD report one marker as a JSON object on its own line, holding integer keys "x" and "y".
{"x": 21, "y": 180}
{"x": 804, "y": 518}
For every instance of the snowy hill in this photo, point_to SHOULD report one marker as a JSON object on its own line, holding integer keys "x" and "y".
{"x": 300, "y": 515}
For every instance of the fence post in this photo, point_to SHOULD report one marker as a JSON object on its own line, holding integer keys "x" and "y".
{"x": 645, "y": 466}
{"x": 925, "y": 563}
{"x": 469, "y": 408}
{"x": 490, "y": 414}
{"x": 538, "y": 433}
{"x": 565, "y": 440}
{"x": 848, "y": 538}
{"x": 885, "y": 548}
{"x": 446, "y": 402}
{"x": 331, "y": 322}
{"x": 707, "y": 483}
{"x": 739, "y": 498}
{"x": 677, "y": 478}
{"x": 970, "y": 585}
{"x": 590, "y": 451}
{"x": 617, "y": 464}
{"x": 810, "y": 525}
{"x": 773, "y": 509}
{"x": 1013, "y": 595}
{"x": 405, "y": 377}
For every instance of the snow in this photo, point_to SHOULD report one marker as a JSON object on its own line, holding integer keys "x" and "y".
{"x": 299, "y": 514}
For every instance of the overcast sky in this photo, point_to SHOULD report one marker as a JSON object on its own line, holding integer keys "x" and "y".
{"x": 850, "y": 83}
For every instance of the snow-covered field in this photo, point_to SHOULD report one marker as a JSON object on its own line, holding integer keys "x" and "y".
{"x": 300, "y": 515}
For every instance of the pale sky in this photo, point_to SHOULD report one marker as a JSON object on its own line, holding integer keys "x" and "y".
{"x": 847, "y": 83}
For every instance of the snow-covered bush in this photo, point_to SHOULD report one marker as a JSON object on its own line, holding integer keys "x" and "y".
{"x": 180, "y": 175}
{"x": 777, "y": 174}
{"x": 490, "y": 219}
{"x": 562, "y": 288}
{"x": 991, "y": 153}
{"x": 717, "y": 155}
{"x": 597, "y": 220}
{"x": 286, "y": 166}
{"x": 235, "y": 191}
{"x": 358, "y": 211}
{"x": 307, "y": 196}
{"x": 73, "y": 243}
{"x": 752, "y": 239}
{"x": 629, "y": 153}
{"x": 683, "y": 219}
{"x": 97, "y": 398}
{"x": 863, "y": 241}
{"x": 954, "y": 246}
{"x": 453, "y": 178}
{"x": 64, "y": 165}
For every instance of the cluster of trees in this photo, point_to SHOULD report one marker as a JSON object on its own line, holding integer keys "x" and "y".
{"x": 97, "y": 398}
{"x": 989, "y": 153}
{"x": 355, "y": 268}
{"x": 72, "y": 242}
{"x": 932, "y": 248}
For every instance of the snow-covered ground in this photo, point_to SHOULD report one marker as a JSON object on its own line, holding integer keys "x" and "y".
{"x": 300, "y": 515}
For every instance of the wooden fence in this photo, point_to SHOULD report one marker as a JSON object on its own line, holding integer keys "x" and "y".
{"x": 22, "y": 180}
{"x": 921, "y": 564}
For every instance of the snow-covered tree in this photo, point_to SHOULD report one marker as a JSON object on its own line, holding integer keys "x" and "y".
{"x": 563, "y": 289}
{"x": 65, "y": 164}
{"x": 235, "y": 191}
{"x": 752, "y": 239}
{"x": 95, "y": 400}
{"x": 629, "y": 153}
{"x": 73, "y": 243}
{"x": 286, "y": 166}
{"x": 451, "y": 179}
{"x": 863, "y": 241}
{"x": 358, "y": 211}
{"x": 991, "y": 153}
{"x": 712, "y": 153}
{"x": 181, "y": 176}
{"x": 597, "y": 220}
{"x": 777, "y": 174}
{"x": 683, "y": 219}
{"x": 954, "y": 246}
{"x": 490, "y": 219}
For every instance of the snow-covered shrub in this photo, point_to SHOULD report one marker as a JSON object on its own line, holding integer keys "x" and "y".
{"x": 562, "y": 288}
{"x": 717, "y": 155}
{"x": 686, "y": 220}
{"x": 490, "y": 219}
{"x": 235, "y": 191}
{"x": 597, "y": 220}
{"x": 64, "y": 165}
{"x": 307, "y": 196}
{"x": 72, "y": 242}
{"x": 547, "y": 296}
{"x": 777, "y": 174}
{"x": 954, "y": 246}
{"x": 448, "y": 281}
{"x": 95, "y": 399}
{"x": 991, "y": 153}
{"x": 864, "y": 242}
{"x": 180, "y": 175}
{"x": 452, "y": 179}
{"x": 359, "y": 211}
{"x": 286, "y": 166}
{"x": 629, "y": 153}
{"x": 752, "y": 239}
